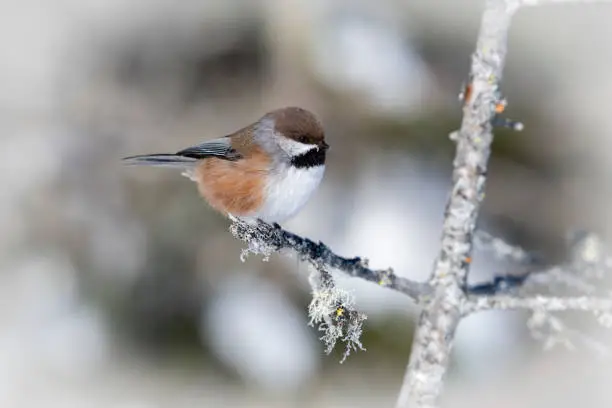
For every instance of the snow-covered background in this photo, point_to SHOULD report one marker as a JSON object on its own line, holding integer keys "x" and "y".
{"x": 120, "y": 288}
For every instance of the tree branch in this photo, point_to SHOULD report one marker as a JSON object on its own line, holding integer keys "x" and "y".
{"x": 515, "y": 283}
{"x": 588, "y": 260}
{"x": 537, "y": 302}
{"x": 505, "y": 251}
{"x": 265, "y": 238}
{"x": 432, "y": 344}
{"x": 446, "y": 297}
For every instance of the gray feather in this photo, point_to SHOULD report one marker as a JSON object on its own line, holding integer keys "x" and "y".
{"x": 220, "y": 148}
{"x": 187, "y": 158}
{"x": 162, "y": 160}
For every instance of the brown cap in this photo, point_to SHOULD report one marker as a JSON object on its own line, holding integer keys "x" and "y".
{"x": 298, "y": 124}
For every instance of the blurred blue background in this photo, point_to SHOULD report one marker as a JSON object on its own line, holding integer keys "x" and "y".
{"x": 122, "y": 289}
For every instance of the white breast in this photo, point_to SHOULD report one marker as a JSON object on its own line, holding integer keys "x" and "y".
{"x": 288, "y": 190}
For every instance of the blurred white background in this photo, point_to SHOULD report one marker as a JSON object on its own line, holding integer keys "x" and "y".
{"x": 122, "y": 289}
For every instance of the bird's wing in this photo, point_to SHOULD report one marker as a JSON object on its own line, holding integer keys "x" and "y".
{"x": 231, "y": 147}
{"x": 221, "y": 148}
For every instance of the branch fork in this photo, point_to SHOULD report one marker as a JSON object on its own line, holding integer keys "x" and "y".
{"x": 446, "y": 297}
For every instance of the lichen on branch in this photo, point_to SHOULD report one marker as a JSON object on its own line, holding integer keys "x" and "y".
{"x": 331, "y": 311}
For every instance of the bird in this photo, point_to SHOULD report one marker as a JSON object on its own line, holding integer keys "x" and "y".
{"x": 266, "y": 171}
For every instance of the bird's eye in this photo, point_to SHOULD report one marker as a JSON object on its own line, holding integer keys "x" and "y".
{"x": 303, "y": 139}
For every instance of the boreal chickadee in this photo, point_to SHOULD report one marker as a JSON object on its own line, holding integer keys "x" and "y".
{"x": 267, "y": 170}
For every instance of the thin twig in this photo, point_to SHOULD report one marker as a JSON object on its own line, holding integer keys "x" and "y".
{"x": 514, "y": 283}
{"x": 505, "y": 251}
{"x": 588, "y": 260}
{"x": 499, "y": 284}
{"x": 537, "y": 302}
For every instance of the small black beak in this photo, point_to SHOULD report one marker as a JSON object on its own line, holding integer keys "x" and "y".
{"x": 324, "y": 146}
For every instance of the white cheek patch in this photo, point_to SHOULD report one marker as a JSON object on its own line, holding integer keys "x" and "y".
{"x": 291, "y": 147}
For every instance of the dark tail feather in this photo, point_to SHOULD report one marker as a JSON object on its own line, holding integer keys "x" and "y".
{"x": 164, "y": 160}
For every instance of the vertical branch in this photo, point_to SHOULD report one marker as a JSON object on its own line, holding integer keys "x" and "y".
{"x": 430, "y": 357}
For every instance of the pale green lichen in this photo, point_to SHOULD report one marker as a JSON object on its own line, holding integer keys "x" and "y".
{"x": 331, "y": 311}
{"x": 253, "y": 237}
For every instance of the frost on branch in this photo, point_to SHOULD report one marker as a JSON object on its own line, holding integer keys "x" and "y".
{"x": 552, "y": 331}
{"x": 580, "y": 276}
{"x": 587, "y": 265}
{"x": 590, "y": 256}
{"x": 502, "y": 250}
